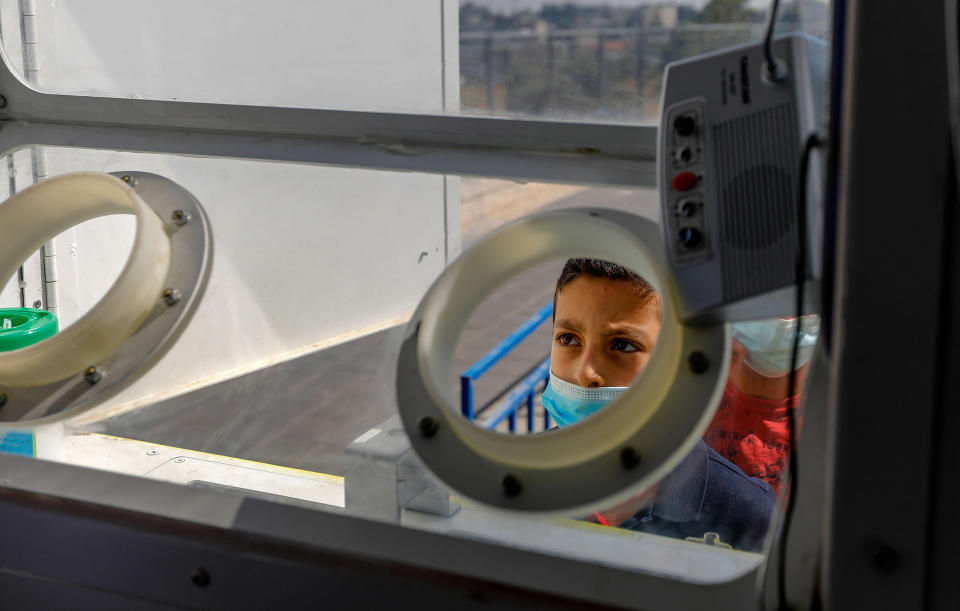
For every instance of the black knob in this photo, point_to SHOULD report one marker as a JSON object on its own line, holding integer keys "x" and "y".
{"x": 690, "y": 237}
{"x": 688, "y": 208}
{"x": 685, "y": 125}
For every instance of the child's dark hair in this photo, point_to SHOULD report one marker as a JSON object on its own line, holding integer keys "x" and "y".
{"x": 599, "y": 268}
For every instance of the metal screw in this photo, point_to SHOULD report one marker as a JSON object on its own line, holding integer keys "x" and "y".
{"x": 126, "y": 179}
{"x": 200, "y": 578}
{"x": 3, "y": 101}
{"x": 698, "y": 362}
{"x": 180, "y": 459}
{"x": 180, "y": 217}
{"x": 629, "y": 458}
{"x": 171, "y": 296}
{"x": 511, "y": 485}
{"x": 92, "y": 375}
{"x": 37, "y": 304}
{"x": 153, "y": 452}
{"x": 883, "y": 557}
{"x": 428, "y": 426}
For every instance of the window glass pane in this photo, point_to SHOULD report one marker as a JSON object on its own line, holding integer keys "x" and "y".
{"x": 291, "y": 357}
{"x": 580, "y": 60}
{"x": 599, "y": 60}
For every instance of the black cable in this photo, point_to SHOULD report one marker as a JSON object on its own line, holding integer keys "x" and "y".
{"x": 813, "y": 141}
{"x": 951, "y": 17}
{"x": 772, "y": 69}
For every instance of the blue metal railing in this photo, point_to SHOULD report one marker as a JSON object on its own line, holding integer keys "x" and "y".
{"x": 524, "y": 392}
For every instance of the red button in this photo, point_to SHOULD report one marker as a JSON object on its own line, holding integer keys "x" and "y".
{"x": 684, "y": 181}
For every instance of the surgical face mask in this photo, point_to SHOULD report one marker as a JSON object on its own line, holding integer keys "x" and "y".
{"x": 769, "y": 343}
{"x": 569, "y": 403}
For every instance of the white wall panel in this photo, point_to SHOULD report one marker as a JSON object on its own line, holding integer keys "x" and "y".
{"x": 305, "y": 256}
{"x": 372, "y": 54}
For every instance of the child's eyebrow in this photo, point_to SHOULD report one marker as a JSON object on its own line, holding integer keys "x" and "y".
{"x": 630, "y": 331}
{"x": 567, "y": 323}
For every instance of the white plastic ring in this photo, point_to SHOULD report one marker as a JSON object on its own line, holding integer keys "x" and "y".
{"x": 40, "y": 213}
{"x": 574, "y": 469}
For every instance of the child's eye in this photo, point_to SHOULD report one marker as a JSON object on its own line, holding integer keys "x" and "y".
{"x": 622, "y": 345}
{"x": 568, "y": 339}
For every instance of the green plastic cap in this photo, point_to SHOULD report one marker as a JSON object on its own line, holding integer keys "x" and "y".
{"x": 22, "y": 327}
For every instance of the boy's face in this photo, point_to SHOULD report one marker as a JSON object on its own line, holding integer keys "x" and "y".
{"x": 603, "y": 333}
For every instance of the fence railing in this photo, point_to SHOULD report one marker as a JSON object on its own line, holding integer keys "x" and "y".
{"x": 523, "y": 393}
{"x": 597, "y": 73}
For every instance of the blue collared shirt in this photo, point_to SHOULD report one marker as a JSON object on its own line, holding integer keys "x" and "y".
{"x": 708, "y": 493}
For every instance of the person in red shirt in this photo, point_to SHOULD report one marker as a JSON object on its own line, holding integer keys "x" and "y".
{"x": 751, "y": 426}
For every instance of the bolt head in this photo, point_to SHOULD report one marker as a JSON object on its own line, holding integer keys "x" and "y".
{"x": 171, "y": 296}
{"x": 884, "y": 558}
{"x": 37, "y": 304}
{"x": 698, "y": 362}
{"x": 511, "y": 485}
{"x": 153, "y": 452}
{"x": 180, "y": 217}
{"x": 92, "y": 375}
{"x": 200, "y": 578}
{"x": 629, "y": 458}
{"x": 428, "y": 426}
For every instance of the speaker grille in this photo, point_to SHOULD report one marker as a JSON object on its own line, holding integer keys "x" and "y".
{"x": 755, "y": 164}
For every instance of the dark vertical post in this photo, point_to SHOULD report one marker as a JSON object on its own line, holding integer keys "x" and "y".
{"x": 867, "y": 563}
{"x": 488, "y": 69}
{"x": 639, "y": 74}
{"x": 600, "y": 61}
{"x": 546, "y": 414}
{"x": 530, "y": 404}
{"x": 466, "y": 396}
{"x": 551, "y": 75}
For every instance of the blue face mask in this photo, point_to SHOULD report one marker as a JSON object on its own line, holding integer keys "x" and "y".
{"x": 569, "y": 403}
{"x": 769, "y": 343}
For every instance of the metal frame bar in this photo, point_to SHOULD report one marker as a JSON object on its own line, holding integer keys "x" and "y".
{"x": 557, "y": 151}
{"x": 253, "y": 549}
{"x": 880, "y": 404}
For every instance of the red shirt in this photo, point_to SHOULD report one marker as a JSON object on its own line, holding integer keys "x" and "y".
{"x": 752, "y": 433}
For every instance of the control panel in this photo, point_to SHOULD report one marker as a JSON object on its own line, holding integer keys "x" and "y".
{"x": 683, "y": 183}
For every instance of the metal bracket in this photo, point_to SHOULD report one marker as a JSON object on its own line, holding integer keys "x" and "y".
{"x": 558, "y": 151}
{"x": 384, "y": 477}
{"x": 190, "y": 262}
